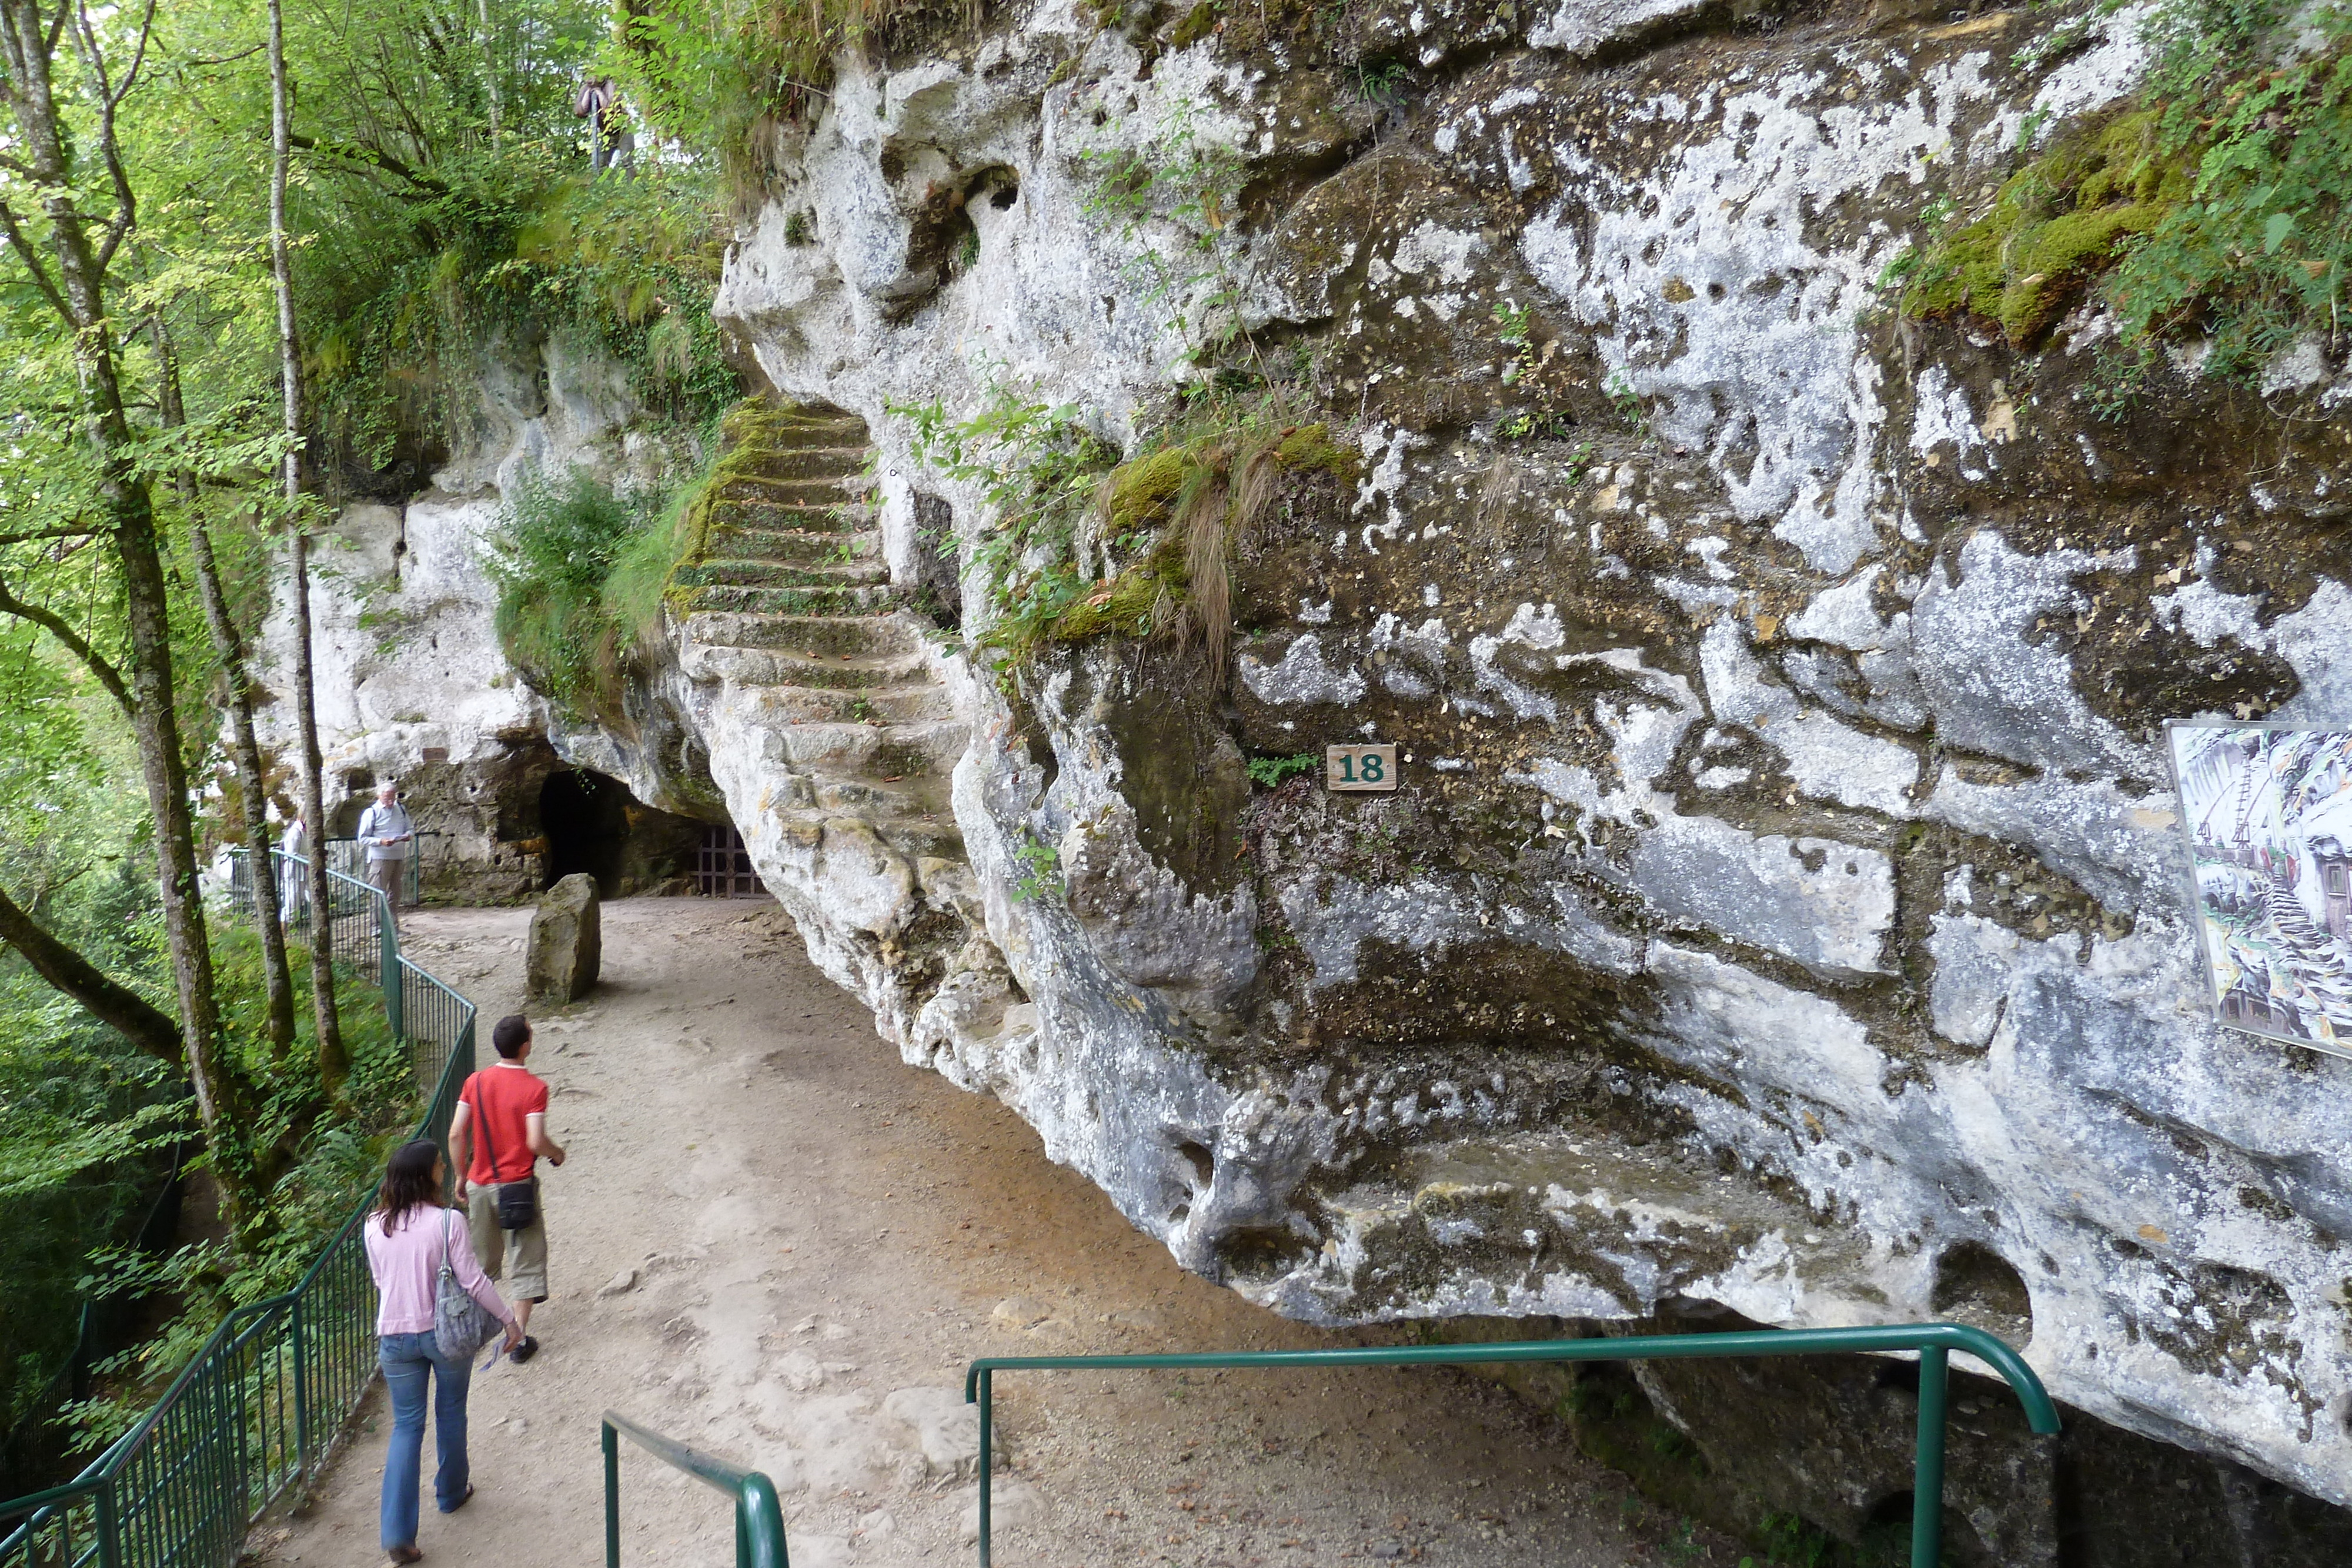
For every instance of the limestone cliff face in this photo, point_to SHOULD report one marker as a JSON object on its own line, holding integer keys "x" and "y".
{"x": 1784, "y": 907}
{"x": 412, "y": 685}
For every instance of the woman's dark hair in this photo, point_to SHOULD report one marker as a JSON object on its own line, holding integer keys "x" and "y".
{"x": 408, "y": 1183}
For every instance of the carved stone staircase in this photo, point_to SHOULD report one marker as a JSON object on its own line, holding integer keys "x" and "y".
{"x": 790, "y": 607}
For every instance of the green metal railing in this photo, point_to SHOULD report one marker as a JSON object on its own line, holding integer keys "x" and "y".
{"x": 262, "y": 1404}
{"x": 759, "y": 1512}
{"x": 1934, "y": 1342}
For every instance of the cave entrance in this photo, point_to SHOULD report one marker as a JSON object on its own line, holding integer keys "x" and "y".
{"x": 593, "y": 824}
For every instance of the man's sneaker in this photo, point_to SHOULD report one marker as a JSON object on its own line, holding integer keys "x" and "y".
{"x": 523, "y": 1351}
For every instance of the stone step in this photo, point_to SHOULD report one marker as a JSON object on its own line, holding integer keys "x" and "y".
{"x": 857, "y": 636}
{"x": 840, "y": 518}
{"x": 731, "y": 541}
{"x": 776, "y": 668}
{"x": 752, "y": 489}
{"x": 917, "y": 837}
{"x": 909, "y": 702}
{"x": 829, "y": 599}
{"x": 802, "y": 428}
{"x": 752, "y": 572}
{"x": 923, "y": 747}
{"x": 808, "y": 462}
{"x": 900, "y": 751}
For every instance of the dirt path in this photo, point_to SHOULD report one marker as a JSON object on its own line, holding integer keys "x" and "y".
{"x": 769, "y": 1228}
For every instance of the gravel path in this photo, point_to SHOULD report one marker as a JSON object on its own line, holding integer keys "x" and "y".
{"x": 770, "y": 1231}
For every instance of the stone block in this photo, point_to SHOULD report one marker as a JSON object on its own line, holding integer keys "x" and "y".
{"x": 566, "y": 942}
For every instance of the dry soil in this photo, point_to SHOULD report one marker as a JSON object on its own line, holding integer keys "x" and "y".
{"x": 768, "y": 1226}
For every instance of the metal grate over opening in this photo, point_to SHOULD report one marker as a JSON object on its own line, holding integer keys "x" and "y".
{"x": 722, "y": 869}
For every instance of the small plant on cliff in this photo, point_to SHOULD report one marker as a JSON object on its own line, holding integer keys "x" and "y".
{"x": 1177, "y": 179}
{"x": 1627, "y": 402}
{"x": 1041, "y": 872}
{"x": 1079, "y": 544}
{"x": 556, "y": 542}
{"x": 1268, "y": 772}
{"x": 581, "y": 569}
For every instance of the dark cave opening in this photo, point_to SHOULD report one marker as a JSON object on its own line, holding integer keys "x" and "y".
{"x": 591, "y": 823}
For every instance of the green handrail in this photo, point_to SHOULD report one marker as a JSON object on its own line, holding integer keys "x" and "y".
{"x": 759, "y": 1512}
{"x": 1934, "y": 1342}
{"x": 261, "y": 1404}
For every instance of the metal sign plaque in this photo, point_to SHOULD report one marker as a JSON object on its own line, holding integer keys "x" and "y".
{"x": 2267, "y": 811}
{"x": 1359, "y": 768}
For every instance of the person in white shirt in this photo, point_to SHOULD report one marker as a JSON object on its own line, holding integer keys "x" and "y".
{"x": 293, "y": 884}
{"x": 386, "y": 834}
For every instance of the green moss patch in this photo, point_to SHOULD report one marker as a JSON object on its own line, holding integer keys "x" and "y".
{"x": 2054, "y": 223}
{"x": 1143, "y": 495}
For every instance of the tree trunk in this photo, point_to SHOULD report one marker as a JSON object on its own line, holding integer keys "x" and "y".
{"x": 74, "y": 286}
{"x": 335, "y": 1059}
{"x": 228, "y": 644}
{"x": 140, "y": 1021}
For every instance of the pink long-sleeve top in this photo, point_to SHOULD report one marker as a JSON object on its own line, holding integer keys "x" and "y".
{"x": 407, "y": 1262}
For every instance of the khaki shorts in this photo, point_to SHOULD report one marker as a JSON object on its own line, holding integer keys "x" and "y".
{"x": 521, "y": 1257}
{"x": 386, "y": 874}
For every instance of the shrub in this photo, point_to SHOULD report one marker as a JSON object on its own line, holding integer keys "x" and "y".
{"x": 558, "y": 541}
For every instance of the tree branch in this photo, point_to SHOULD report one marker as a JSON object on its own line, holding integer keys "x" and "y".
{"x": 75, "y": 532}
{"x": 370, "y": 156}
{"x": 138, "y": 55}
{"x": 139, "y": 1020}
{"x": 109, "y": 146}
{"x": 32, "y": 260}
{"x": 51, "y": 622}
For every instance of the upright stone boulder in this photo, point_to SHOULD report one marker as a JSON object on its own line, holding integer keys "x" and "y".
{"x": 567, "y": 945}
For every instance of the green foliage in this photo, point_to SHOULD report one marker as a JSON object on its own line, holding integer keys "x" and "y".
{"x": 558, "y": 539}
{"x": 1041, "y": 872}
{"x": 1156, "y": 525}
{"x": 583, "y": 574}
{"x": 519, "y": 247}
{"x": 1268, "y": 772}
{"x": 1627, "y": 402}
{"x": 1036, "y": 467}
{"x": 2053, "y": 223}
{"x": 1171, "y": 197}
{"x": 343, "y": 1150}
{"x": 712, "y": 72}
{"x": 2215, "y": 207}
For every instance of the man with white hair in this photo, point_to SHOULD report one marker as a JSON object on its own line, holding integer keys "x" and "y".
{"x": 385, "y": 833}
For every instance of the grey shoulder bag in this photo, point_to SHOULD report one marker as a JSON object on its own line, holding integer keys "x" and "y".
{"x": 461, "y": 1325}
{"x": 515, "y": 1203}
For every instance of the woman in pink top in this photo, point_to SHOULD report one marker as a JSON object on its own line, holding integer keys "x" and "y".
{"x": 408, "y": 1238}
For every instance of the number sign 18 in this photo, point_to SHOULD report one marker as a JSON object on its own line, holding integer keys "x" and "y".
{"x": 1359, "y": 768}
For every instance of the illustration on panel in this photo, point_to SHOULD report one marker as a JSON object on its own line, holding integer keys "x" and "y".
{"x": 2268, "y": 811}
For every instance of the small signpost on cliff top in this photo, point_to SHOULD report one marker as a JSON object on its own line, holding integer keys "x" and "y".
{"x": 1359, "y": 768}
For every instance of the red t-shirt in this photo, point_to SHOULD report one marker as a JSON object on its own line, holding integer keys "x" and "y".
{"x": 501, "y": 1097}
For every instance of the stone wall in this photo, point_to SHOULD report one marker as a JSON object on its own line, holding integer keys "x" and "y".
{"x": 1784, "y": 908}
{"x": 412, "y": 685}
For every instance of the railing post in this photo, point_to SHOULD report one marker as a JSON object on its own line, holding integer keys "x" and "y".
{"x": 1928, "y": 1472}
{"x": 987, "y": 1467}
{"x": 301, "y": 1390}
{"x": 392, "y": 989}
{"x": 109, "y": 1535}
{"x": 612, "y": 1497}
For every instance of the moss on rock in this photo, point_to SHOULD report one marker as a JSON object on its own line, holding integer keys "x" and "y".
{"x": 2053, "y": 224}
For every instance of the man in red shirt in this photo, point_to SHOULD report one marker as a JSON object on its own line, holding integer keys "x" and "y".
{"x": 508, "y": 1104}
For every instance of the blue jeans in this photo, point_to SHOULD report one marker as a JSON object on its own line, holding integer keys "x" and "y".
{"x": 407, "y": 1359}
